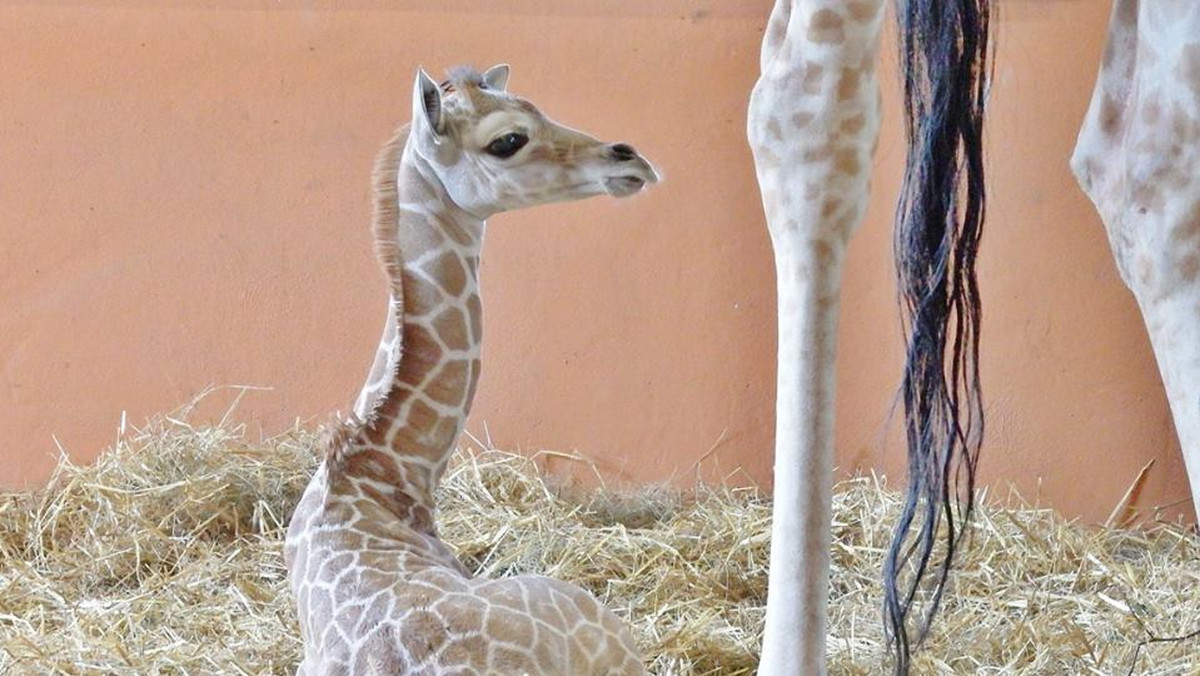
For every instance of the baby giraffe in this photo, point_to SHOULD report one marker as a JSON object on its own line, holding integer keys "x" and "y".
{"x": 376, "y": 591}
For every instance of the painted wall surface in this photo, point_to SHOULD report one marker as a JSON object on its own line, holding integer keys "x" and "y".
{"x": 184, "y": 200}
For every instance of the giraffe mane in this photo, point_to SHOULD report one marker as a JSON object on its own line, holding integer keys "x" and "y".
{"x": 385, "y": 224}
{"x": 385, "y": 227}
{"x": 336, "y": 438}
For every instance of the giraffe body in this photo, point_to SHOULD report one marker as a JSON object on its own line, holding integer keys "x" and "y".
{"x": 383, "y": 597}
{"x": 376, "y": 590}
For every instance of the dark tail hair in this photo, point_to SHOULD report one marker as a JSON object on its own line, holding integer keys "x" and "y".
{"x": 944, "y": 56}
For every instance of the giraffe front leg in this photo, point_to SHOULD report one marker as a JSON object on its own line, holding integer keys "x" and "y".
{"x": 813, "y": 123}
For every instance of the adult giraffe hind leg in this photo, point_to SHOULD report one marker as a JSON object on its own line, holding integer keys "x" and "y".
{"x": 813, "y": 123}
{"x": 1138, "y": 160}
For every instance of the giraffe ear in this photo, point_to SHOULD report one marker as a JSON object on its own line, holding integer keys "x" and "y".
{"x": 427, "y": 103}
{"x": 496, "y": 77}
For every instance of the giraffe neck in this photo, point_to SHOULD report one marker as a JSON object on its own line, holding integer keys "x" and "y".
{"x": 417, "y": 407}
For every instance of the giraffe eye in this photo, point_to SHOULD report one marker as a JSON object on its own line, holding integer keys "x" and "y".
{"x": 507, "y": 145}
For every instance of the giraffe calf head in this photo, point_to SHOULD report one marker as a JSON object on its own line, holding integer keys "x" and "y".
{"x": 493, "y": 151}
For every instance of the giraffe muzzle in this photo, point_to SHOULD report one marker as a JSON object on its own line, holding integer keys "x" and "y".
{"x": 632, "y": 173}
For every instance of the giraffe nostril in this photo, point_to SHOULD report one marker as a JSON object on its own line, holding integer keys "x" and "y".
{"x": 622, "y": 152}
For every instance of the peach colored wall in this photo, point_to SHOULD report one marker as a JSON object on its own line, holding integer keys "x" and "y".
{"x": 184, "y": 195}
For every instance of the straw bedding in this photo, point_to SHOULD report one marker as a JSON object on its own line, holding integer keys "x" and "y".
{"x": 165, "y": 558}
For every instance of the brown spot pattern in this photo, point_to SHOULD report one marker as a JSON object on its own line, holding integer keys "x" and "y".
{"x": 421, "y": 355}
{"x": 508, "y": 661}
{"x": 386, "y": 412}
{"x": 1185, "y": 128}
{"x": 587, "y": 606}
{"x": 448, "y": 270}
{"x": 775, "y": 34}
{"x": 419, "y": 434}
{"x": 450, "y": 384}
{"x": 375, "y": 465}
{"x": 1146, "y": 196}
{"x": 826, "y": 27}
{"x": 1189, "y": 67}
{"x": 423, "y": 633}
{"x": 454, "y": 230}
{"x": 421, "y": 416}
{"x": 1110, "y": 116}
{"x": 774, "y": 130}
{"x": 452, "y": 328}
{"x": 443, "y": 435}
{"x": 420, "y": 297}
{"x": 1126, "y": 12}
{"x": 801, "y": 120}
{"x": 1187, "y": 235}
{"x": 818, "y": 153}
{"x": 864, "y": 10}
{"x": 853, "y": 125}
{"x": 549, "y": 652}
{"x": 847, "y": 85}
{"x": 1110, "y": 53}
{"x": 469, "y": 651}
{"x": 1151, "y": 111}
{"x": 1189, "y": 267}
{"x": 846, "y": 161}
{"x": 508, "y": 626}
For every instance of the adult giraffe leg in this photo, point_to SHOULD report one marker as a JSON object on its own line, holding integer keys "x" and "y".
{"x": 813, "y": 124}
{"x": 1136, "y": 159}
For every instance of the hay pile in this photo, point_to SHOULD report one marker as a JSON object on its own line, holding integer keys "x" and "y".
{"x": 165, "y": 558}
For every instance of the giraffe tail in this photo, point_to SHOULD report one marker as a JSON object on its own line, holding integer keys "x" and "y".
{"x": 945, "y": 61}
